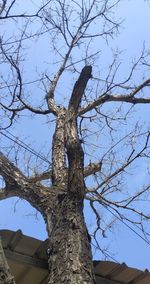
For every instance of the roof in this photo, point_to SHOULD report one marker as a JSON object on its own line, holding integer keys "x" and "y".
{"x": 27, "y": 258}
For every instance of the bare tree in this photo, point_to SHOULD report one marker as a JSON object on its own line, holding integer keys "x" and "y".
{"x": 98, "y": 139}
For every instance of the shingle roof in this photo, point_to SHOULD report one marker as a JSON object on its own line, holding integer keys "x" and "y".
{"x": 27, "y": 258}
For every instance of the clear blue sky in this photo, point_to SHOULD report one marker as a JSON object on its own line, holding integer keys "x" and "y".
{"x": 17, "y": 214}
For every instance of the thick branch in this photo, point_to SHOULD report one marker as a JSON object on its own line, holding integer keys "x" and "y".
{"x": 58, "y": 151}
{"x": 119, "y": 98}
{"x": 11, "y": 174}
{"x": 73, "y": 144}
{"x": 79, "y": 88}
{"x": 17, "y": 184}
{"x": 5, "y": 193}
{"x": 40, "y": 177}
{"x": 75, "y": 157}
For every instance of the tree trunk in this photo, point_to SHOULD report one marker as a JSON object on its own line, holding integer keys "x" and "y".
{"x": 70, "y": 259}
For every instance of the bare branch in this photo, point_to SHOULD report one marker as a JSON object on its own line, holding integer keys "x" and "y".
{"x": 17, "y": 184}
{"x": 128, "y": 162}
{"x": 140, "y": 87}
{"x": 11, "y": 174}
{"x": 118, "y": 98}
{"x": 2, "y": 8}
{"x": 40, "y": 177}
{"x": 38, "y": 111}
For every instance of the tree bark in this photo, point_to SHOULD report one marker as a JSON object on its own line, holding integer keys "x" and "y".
{"x": 70, "y": 259}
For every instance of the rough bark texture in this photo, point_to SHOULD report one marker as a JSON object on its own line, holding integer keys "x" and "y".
{"x": 72, "y": 29}
{"x": 59, "y": 173}
{"x": 70, "y": 259}
{"x": 69, "y": 251}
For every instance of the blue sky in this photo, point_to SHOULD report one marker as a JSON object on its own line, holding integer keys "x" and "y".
{"x": 18, "y": 214}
